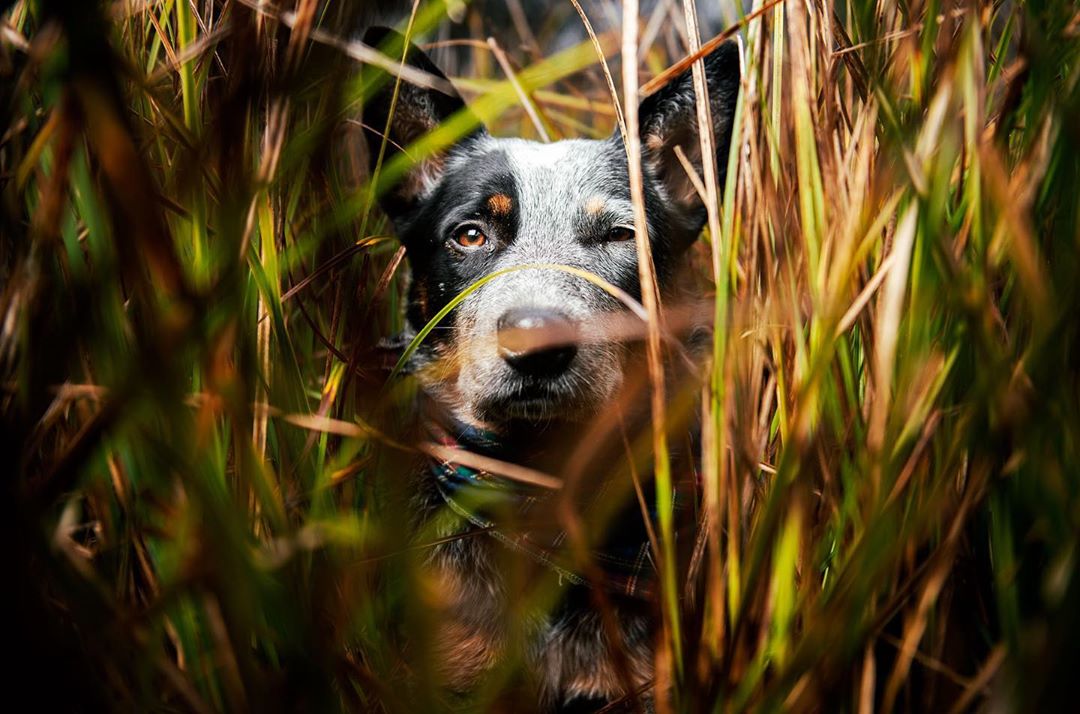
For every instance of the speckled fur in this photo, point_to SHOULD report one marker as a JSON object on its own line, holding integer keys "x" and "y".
{"x": 570, "y": 652}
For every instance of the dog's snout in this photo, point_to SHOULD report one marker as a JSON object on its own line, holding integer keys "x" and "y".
{"x": 539, "y": 342}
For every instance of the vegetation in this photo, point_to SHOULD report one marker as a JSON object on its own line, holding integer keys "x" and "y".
{"x": 200, "y": 437}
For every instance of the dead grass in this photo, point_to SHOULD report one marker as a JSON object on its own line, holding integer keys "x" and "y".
{"x": 203, "y": 454}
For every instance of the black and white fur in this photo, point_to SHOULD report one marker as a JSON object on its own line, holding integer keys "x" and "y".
{"x": 568, "y": 203}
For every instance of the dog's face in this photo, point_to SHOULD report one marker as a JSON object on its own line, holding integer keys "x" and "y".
{"x": 531, "y": 343}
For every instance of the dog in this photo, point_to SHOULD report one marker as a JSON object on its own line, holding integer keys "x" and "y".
{"x": 523, "y": 371}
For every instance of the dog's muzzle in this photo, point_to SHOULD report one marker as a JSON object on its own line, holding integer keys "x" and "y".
{"x": 537, "y": 342}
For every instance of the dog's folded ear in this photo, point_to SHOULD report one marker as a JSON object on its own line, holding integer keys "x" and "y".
{"x": 668, "y": 119}
{"x": 424, "y": 100}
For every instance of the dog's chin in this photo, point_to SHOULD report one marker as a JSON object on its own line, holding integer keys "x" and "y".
{"x": 536, "y": 403}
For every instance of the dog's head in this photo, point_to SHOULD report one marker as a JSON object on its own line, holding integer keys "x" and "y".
{"x": 529, "y": 344}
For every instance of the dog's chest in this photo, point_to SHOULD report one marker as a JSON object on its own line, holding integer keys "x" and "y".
{"x": 568, "y": 648}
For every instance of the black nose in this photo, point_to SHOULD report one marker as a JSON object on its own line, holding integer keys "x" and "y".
{"x": 537, "y": 341}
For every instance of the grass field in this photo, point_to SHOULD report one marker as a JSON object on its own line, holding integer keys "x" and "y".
{"x": 198, "y": 435}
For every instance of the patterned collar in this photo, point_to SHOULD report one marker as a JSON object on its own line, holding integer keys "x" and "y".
{"x": 524, "y": 517}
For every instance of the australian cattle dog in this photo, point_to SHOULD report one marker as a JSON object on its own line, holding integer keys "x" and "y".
{"x": 557, "y": 575}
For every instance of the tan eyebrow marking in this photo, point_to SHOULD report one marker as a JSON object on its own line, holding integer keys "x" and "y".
{"x": 500, "y": 204}
{"x": 595, "y": 205}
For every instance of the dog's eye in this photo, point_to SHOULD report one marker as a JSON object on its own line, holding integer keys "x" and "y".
{"x": 620, "y": 233}
{"x": 470, "y": 237}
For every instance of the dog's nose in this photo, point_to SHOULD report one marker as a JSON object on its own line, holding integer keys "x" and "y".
{"x": 539, "y": 342}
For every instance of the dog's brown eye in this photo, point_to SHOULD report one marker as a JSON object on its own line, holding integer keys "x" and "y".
{"x": 470, "y": 237}
{"x": 620, "y": 233}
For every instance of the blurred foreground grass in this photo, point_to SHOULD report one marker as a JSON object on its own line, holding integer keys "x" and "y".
{"x": 193, "y": 285}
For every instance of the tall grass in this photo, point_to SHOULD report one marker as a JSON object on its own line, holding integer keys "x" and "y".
{"x": 203, "y": 458}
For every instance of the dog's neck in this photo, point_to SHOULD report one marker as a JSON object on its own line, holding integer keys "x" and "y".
{"x": 595, "y": 463}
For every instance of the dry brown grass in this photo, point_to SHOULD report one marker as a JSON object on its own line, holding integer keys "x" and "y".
{"x": 193, "y": 284}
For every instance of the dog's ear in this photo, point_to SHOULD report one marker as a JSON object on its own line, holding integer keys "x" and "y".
{"x": 668, "y": 119}
{"x": 425, "y": 99}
